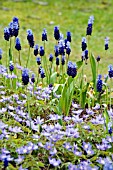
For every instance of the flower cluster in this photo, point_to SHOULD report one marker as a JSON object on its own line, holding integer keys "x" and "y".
{"x": 72, "y": 69}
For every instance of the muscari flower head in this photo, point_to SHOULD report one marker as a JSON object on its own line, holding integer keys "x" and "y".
{"x": 51, "y": 57}
{"x": 25, "y": 76}
{"x": 68, "y": 48}
{"x": 15, "y": 29}
{"x": 56, "y": 33}
{"x": 30, "y": 38}
{"x": 57, "y": 61}
{"x": 17, "y": 44}
{"x": 5, "y": 163}
{"x": 98, "y": 58}
{"x": 42, "y": 73}
{"x": 1, "y": 53}
{"x": 90, "y": 24}
{"x": 72, "y": 69}
{"x": 69, "y": 36}
{"x": 61, "y": 47}
{"x": 36, "y": 50}
{"x": 42, "y": 52}
{"x": 38, "y": 59}
{"x": 44, "y": 35}
{"x": 56, "y": 50}
{"x": 110, "y": 128}
{"x": 63, "y": 60}
{"x": 6, "y": 34}
{"x": 106, "y": 43}
{"x": 99, "y": 83}
{"x": 11, "y": 66}
{"x": 15, "y": 19}
{"x": 11, "y": 32}
{"x": 110, "y": 71}
{"x": 33, "y": 78}
{"x": 84, "y": 44}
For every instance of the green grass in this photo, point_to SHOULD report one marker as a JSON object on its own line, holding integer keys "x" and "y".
{"x": 69, "y": 15}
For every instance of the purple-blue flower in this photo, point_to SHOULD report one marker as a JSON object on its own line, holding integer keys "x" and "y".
{"x": 56, "y": 33}
{"x": 99, "y": 83}
{"x": 17, "y": 44}
{"x": 25, "y": 76}
{"x": 44, "y": 35}
{"x": 30, "y": 38}
{"x": 36, "y": 50}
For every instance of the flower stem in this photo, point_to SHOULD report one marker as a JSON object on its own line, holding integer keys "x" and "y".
{"x": 28, "y": 57}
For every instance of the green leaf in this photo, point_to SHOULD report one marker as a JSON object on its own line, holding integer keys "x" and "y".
{"x": 53, "y": 78}
{"x": 40, "y": 164}
{"x": 93, "y": 68}
{"x": 79, "y": 64}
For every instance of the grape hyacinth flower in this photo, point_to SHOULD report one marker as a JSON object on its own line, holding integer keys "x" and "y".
{"x": 110, "y": 71}
{"x": 72, "y": 69}
{"x": 6, "y": 163}
{"x": 25, "y": 76}
{"x": 44, "y": 35}
{"x": 98, "y": 58}
{"x": 63, "y": 60}
{"x": 36, "y": 50}
{"x": 6, "y": 34}
{"x": 110, "y": 128}
{"x": 84, "y": 44}
{"x": 51, "y": 57}
{"x": 86, "y": 54}
{"x": 42, "y": 73}
{"x": 90, "y": 25}
{"x": 33, "y": 78}
{"x": 99, "y": 83}
{"x": 30, "y": 38}
{"x": 57, "y": 61}
{"x": 68, "y": 48}
{"x": 106, "y": 43}
{"x": 38, "y": 59}
{"x": 61, "y": 47}
{"x": 1, "y": 53}
{"x": 15, "y": 29}
{"x": 56, "y": 50}
{"x": 11, "y": 29}
{"x": 17, "y": 44}
{"x": 42, "y": 51}
{"x": 11, "y": 66}
{"x": 69, "y": 36}
{"x": 56, "y": 33}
